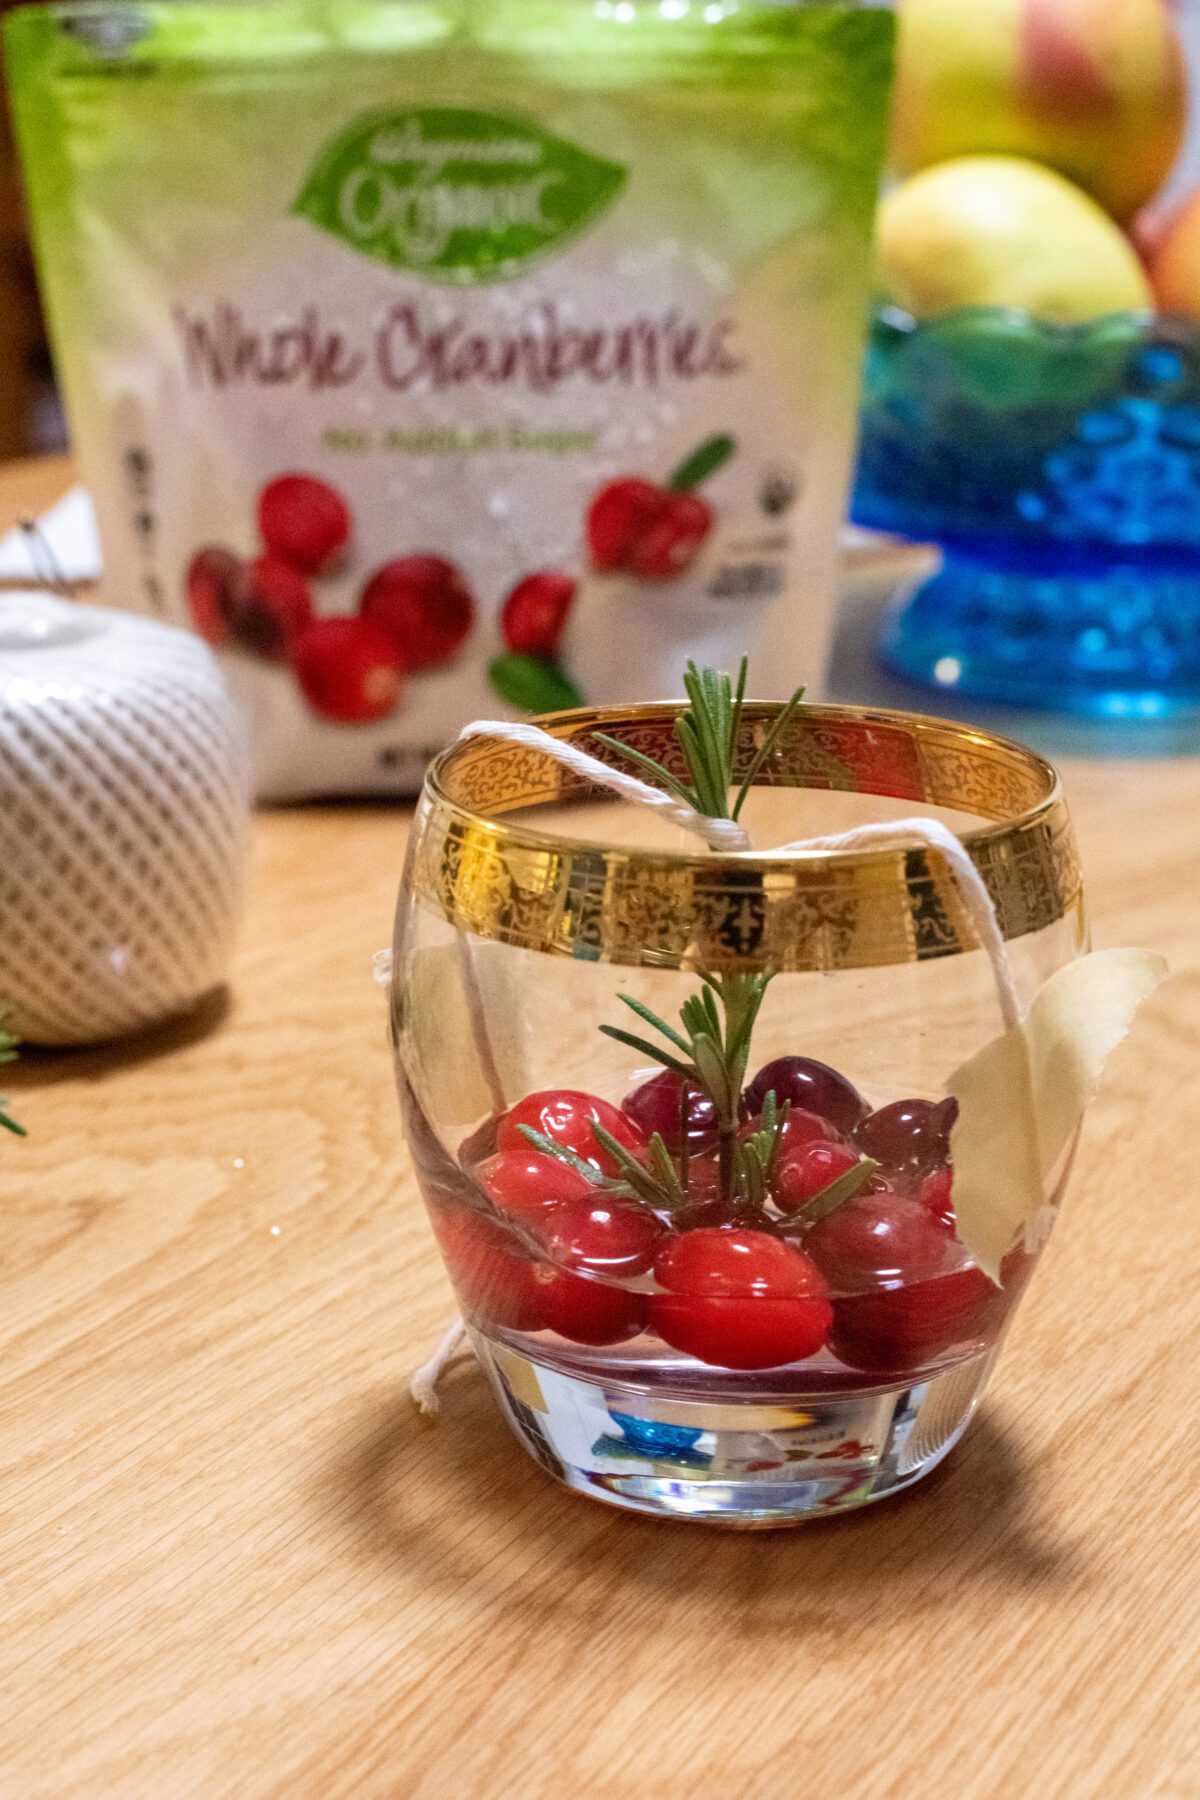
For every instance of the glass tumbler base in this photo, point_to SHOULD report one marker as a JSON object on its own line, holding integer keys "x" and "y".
{"x": 731, "y": 1461}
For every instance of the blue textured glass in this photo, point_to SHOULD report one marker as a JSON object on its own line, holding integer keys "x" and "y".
{"x": 1059, "y": 469}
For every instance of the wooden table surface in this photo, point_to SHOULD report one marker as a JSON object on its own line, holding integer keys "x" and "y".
{"x": 237, "y": 1563}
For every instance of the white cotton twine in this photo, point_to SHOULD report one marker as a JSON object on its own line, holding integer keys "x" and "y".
{"x": 730, "y": 837}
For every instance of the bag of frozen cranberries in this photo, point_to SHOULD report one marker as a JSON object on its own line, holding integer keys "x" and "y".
{"x": 438, "y": 360}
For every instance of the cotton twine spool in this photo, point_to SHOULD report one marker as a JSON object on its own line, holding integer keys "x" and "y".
{"x": 123, "y": 808}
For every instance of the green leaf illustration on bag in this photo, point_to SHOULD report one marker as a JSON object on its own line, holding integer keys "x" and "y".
{"x": 455, "y": 195}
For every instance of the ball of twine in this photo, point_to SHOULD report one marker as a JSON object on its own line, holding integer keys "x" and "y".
{"x": 123, "y": 809}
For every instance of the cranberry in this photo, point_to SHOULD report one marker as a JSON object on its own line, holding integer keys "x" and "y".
{"x": 535, "y": 612}
{"x": 904, "y": 1295}
{"x": 567, "y": 1116}
{"x": 349, "y": 670}
{"x": 215, "y": 586}
{"x": 936, "y": 1195}
{"x": 670, "y": 545}
{"x": 799, "y": 1128}
{"x": 618, "y": 517}
{"x": 600, "y": 1239}
{"x": 658, "y": 1106}
{"x": 739, "y": 1299}
{"x": 491, "y": 1275}
{"x": 807, "y": 1171}
{"x": 527, "y": 1185}
{"x": 811, "y": 1085}
{"x": 304, "y": 521}
{"x": 617, "y": 1238}
{"x": 909, "y": 1134}
{"x": 272, "y": 610}
{"x": 426, "y": 606}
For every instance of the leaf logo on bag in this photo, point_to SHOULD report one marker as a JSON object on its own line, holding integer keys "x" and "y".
{"x": 455, "y": 195}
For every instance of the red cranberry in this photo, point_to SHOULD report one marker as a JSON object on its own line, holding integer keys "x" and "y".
{"x": 605, "y": 1241}
{"x": 304, "y": 521}
{"x": 799, "y": 1128}
{"x": 491, "y": 1275}
{"x": 536, "y": 611}
{"x": 936, "y": 1194}
{"x": 215, "y": 584}
{"x": 273, "y": 609}
{"x": 567, "y": 1116}
{"x": 618, "y": 517}
{"x": 617, "y": 1238}
{"x": 909, "y": 1134}
{"x": 658, "y": 1106}
{"x": 807, "y": 1171}
{"x": 527, "y": 1185}
{"x": 809, "y": 1084}
{"x": 876, "y": 1239}
{"x": 349, "y": 670}
{"x": 739, "y": 1299}
{"x": 426, "y": 606}
{"x": 670, "y": 545}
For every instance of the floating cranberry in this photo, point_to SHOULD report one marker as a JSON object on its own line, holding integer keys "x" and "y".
{"x": 799, "y": 1128}
{"x": 215, "y": 585}
{"x": 303, "y": 520}
{"x": 809, "y": 1084}
{"x": 903, "y": 1295}
{"x": 739, "y": 1299}
{"x": 273, "y": 609}
{"x": 617, "y": 1238}
{"x": 909, "y": 1134}
{"x": 349, "y": 670}
{"x": 618, "y": 517}
{"x": 567, "y": 1116}
{"x": 658, "y": 1106}
{"x": 588, "y": 1311}
{"x": 670, "y": 545}
{"x": 535, "y": 612}
{"x": 425, "y": 605}
{"x": 807, "y": 1171}
{"x": 491, "y": 1274}
{"x": 528, "y": 1185}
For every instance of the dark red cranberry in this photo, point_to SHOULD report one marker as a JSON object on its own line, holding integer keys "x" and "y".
{"x": 424, "y": 604}
{"x": 349, "y": 670}
{"x": 670, "y": 544}
{"x": 658, "y": 1106}
{"x": 909, "y": 1134}
{"x": 809, "y": 1084}
{"x": 618, "y": 518}
{"x": 303, "y": 520}
{"x": 535, "y": 612}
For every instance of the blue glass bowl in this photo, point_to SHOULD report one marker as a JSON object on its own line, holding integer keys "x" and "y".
{"x": 1059, "y": 469}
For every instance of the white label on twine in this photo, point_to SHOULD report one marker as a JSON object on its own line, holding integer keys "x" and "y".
{"x": 1022, "y": 1097}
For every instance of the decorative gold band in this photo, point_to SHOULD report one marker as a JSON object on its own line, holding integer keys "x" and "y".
{"x": 851, "y": 909}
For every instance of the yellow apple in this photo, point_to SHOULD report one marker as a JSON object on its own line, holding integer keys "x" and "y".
{"x": 1000, "y": 231}
{"x": 1095, "y": 88}
{"x": 1175, "y": 262}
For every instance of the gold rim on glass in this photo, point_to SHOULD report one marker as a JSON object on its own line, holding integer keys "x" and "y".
{"x": 817, "y": 910}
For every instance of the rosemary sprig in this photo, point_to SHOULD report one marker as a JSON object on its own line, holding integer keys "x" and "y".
{"x": 708, "y": 734}
{"x": 713, "y": 1049}
{"x": 8, "y": 1053}
{"x": 840, "y": 1189}
{"x": 658, "y": 1183}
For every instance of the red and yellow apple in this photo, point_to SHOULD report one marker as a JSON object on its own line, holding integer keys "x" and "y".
{"x": 1001, "y": 231}
{"x": 1095, "y": 88}
{"x": 1175, "y": 262}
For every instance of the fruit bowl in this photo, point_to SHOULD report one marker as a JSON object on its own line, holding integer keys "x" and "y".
{"x": 742, "y": 1299}
{"x": 1058, "y": 467}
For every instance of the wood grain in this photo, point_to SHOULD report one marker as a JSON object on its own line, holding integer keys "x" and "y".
{"x": 237, "y": 1564}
